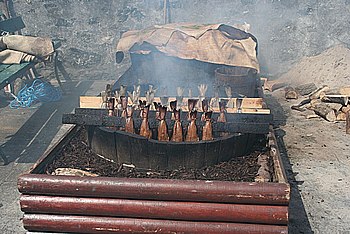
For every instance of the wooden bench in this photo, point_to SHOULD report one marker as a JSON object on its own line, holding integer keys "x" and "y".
{"x": 10, "y": 72}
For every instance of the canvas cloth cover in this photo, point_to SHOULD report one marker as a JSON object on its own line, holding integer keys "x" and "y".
{"x": 207, "y": 43}
{"x": 17, "y": 48}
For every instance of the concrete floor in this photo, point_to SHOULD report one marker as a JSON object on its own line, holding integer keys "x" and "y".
{"x": 25, "y": 135}
{"x": 315, "y": 154}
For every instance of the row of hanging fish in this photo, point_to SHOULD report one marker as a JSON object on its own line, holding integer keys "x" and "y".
{"x": 134, "y": 96}
{"x": 127, "y": 112}
{"x": 177, "y": 131}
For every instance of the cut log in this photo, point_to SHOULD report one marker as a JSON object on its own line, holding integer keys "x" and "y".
{"x": 319, "y": 92}
{"x": 272, "y": 85}
{"x": 345, "y": 90}
{"x": 345, "y": 108}
{"x": 342, "y": 99}
{"x": 309, "y": 114}
{"x": 312, "y": 116}
{"x": 306, "y": 89}
{"x": 315, "y": 102}
{"x": 347, "y": 122}
{"x": 325, "y": 112}
{"x": 290, "y": 93}
{"x": 299, "y": 106}
{"x": 341, "y": 116}
{"x": 335, "y": 106}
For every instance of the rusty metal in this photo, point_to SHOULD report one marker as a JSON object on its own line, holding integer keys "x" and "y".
{"x": 93, "y": 224}
{"x": 156, "y": 189}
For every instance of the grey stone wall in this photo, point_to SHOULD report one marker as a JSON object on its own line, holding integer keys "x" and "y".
{"x": 90, "y": 29}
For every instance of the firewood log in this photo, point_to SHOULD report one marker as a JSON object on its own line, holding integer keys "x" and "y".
{"x": 345, "y": 108}
{"x": 342, "y": 99}
{"x": 319, "y": 92}
{"x": 341, "y": 116}
{"x": 345, "y": 91}
{"x": 335, "y": 106}
{"x": 272, "y": 85}
{"x": 315, "y": 102}
{"x": 290, "y": 93}
{"x": 306, "y": 89}
{"x": 300, "y": 105}
{"x": 325, "y": 112}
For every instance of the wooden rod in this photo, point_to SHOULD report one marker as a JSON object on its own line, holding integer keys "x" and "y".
{"x": 91, "y": 224}
{"x": 199, "y": 211}
{"x": 156, "y": 189}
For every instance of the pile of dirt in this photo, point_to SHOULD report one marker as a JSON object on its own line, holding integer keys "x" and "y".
{"x": 78, "y": 155}
{"x": 331, "y": 67}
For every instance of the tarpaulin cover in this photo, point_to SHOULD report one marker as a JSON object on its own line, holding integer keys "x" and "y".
{"x": 18, "y": 48}
{"x": 215, "y": 43}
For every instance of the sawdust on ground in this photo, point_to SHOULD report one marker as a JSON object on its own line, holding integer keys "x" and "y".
{"x": 331, "y": 67}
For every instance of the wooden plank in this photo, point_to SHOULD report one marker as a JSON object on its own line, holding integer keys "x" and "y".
{"x": 231, "y": 117}
{"x": 280, "y": 173}
{"x": 249, "y": 105}
{"x": 12, "y": 72}
{"x": 113, "y": 121}
{"x": 4, "y": 66}
{"x": 90, "y": 102}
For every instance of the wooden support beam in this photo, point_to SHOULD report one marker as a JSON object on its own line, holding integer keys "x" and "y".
{"x": 118, "y": 122}
{"x": 249, "y": 105}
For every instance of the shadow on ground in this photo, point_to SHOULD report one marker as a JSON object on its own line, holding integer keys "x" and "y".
{"x": 32, "y": 139}
{"x": 298, "y": 220}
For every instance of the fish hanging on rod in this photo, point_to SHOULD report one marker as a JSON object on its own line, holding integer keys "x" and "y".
{"x": 173, "y": 105}
{"x": 142, "y": 105}
{"x": 222, "y": 106}
{"x": 192, "y": 134}
{"x": 110, "y": 105}
{"x": 205, "y": 108}
{"x": 191, "y": 106}
{"x": 124, "y": 105}
{"x": 207, "y": 134}
{"x": 177, "y": 129}
{"x": 129, "y": 122}
{"x": 162, "y": 127}
{"x": 157, "y": 106}
{"x": 145, "y": 129}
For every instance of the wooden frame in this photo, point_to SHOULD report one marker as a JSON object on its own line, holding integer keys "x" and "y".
{"x": 67, "y": 202}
